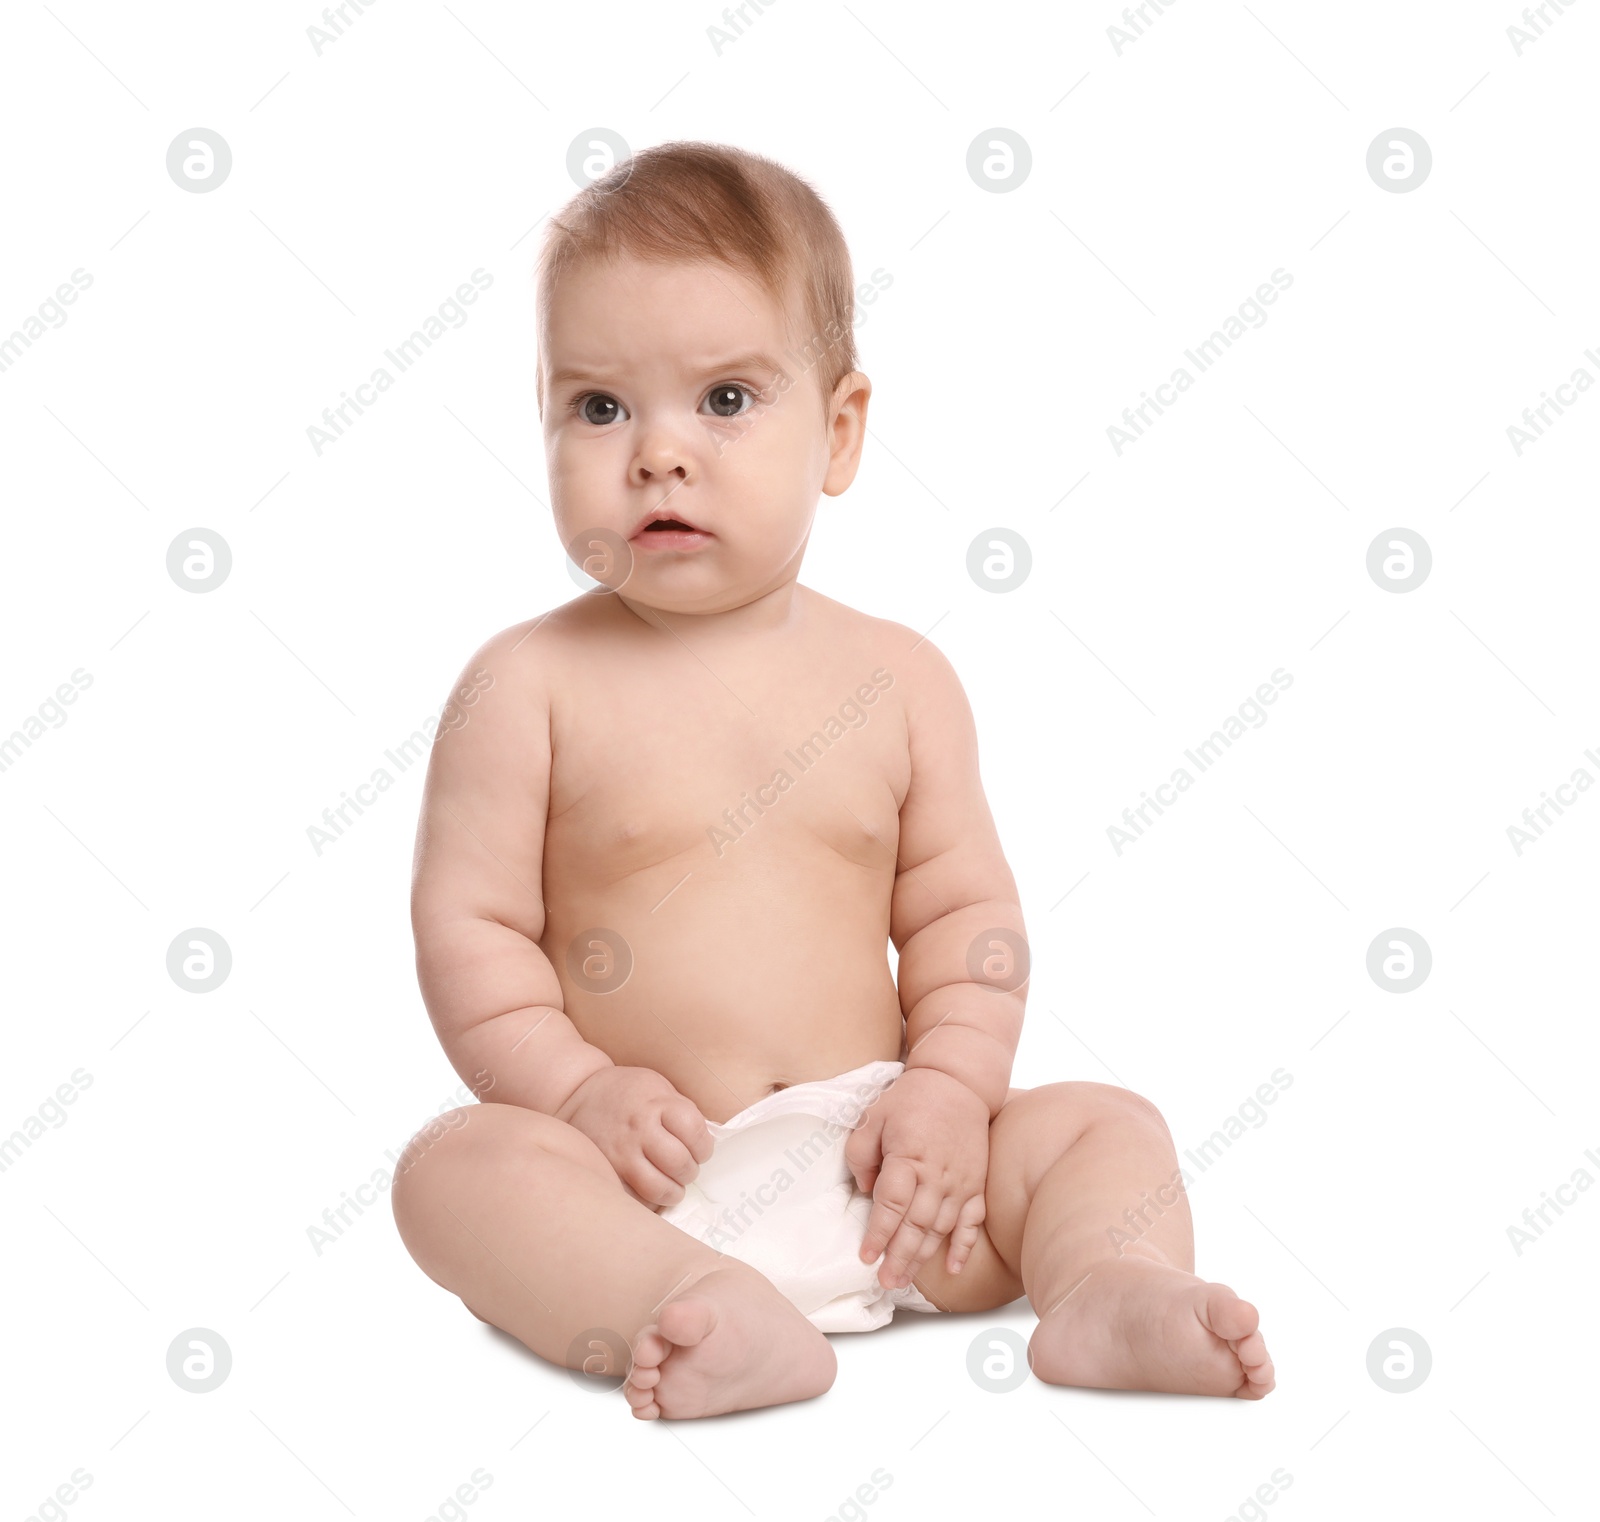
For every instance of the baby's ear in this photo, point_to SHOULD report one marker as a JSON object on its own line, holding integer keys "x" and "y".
{"x": 847, "y": 428}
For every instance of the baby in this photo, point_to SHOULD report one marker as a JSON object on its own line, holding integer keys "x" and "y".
{"x": 668, "y": 831}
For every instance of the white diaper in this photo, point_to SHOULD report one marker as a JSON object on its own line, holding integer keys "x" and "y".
{"x": 778, "y": 1195}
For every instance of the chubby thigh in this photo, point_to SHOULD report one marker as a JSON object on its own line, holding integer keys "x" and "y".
{"x": 524, "y": 1218}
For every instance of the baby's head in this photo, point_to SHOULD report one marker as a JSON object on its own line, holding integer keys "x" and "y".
{"x": 697, "y": 363}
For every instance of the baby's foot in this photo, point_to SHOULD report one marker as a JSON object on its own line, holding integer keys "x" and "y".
{"x": 728, "y": 1342}
{"x": 1137, "y": 1324}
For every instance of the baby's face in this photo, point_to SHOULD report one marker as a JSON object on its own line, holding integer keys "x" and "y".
{"x": 675, "y": 392}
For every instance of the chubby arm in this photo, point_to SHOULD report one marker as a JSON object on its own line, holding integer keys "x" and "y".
{"x": 477, "y": 901}
{"x": 962, "y": 987}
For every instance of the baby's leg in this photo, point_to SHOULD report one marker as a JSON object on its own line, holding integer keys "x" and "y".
{"x": 1085, "y": 1201}
{"x": 1108, "y": 1255}
{"x": 522, "y": 1216}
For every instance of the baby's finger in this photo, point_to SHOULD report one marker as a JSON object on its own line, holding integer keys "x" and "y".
{"x": 863, "y": 1154}
{"x": 932, "y": 1235}
{"x": 926, "y": 1252}
{"x": 685, "y": 1121}
{"x": 947, "y": 1215}
{"x": 891, "y": 1197}
{"x": 900, "y": 1256}
{"x": 962, "y": 1240}
{"x": 964, "y": 1235}
{"x": 667, "y": 1153}
{"x": 650, "y": 1185}
{"x": 915, "y": 1240}
{"x": 943, "y": 1223}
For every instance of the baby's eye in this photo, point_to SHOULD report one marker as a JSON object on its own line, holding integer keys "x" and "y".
{"x": 597, "y": 407}
{"x": 724, "y": 399}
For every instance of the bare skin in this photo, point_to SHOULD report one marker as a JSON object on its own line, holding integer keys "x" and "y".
{"x": 668, "y": 832}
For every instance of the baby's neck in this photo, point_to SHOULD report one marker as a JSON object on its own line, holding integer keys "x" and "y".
{"x": 765, "y": 613}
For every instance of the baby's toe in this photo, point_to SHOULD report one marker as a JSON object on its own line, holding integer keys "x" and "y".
{"x": 642, "y": 1378}
{"x": 1257, "y": 1383}
{"x": 1226, "y": 1315}
{"x": 1252, "y": 1351}
{"x": 1256, "y": 1362}
{"x": 687, "y": 1321}
{"x": 650, "y": 1350}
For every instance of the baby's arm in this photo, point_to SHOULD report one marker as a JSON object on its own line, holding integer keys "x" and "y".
{"x": 923, "y": 1148}
{"x": 952, "y": 888}
{"x": 477, "y": 911}
{"x": 477, "y": 901}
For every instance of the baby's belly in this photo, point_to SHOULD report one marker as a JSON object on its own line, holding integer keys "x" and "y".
{"x": 729, "y": 984}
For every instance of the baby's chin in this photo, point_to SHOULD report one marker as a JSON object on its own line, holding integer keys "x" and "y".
{"x": 700, "y": 586}
{"x": 669, "y": 596}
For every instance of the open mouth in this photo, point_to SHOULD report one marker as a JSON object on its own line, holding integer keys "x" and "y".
{"x": 666, "y": 535}
{"x": 664, "y": 530}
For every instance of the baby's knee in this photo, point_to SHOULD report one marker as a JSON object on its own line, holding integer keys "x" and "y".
{"x": 1072, "y": 1108}
{"x": 423, "y": 1162}
{"x": 455, "y": 1156}
{"x": 452, "y": 1144}
{"x": 432, "y": 1140}
{"x": 1125, "y": 1106}
{"x": 484, "y": 1142}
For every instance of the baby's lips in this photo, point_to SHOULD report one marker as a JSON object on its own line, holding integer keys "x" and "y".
{"x": 660, "y": 515}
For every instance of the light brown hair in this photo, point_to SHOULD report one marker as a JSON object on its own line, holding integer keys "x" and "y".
{"x": 707, "y": 202}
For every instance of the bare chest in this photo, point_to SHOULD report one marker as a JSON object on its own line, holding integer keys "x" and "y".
{"x": 675, "y": 763}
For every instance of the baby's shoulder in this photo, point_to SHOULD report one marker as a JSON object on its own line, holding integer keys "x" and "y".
{"x": 840, "y": 624}
{"x": 532, "y": 656}
{"x": 908, "y": 657}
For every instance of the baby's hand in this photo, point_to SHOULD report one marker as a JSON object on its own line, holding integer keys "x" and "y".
{"x": 922, "y": 1152}
{"x": 655, "y": 1137}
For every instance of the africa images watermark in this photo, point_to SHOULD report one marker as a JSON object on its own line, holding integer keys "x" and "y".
{"x": 54, "y": 1506}
{"x": 1535, "y": 820}
{"x": 336, "y": 421}
{"x": 450, "y": 1115}
{"x": 850, "y": 714}
{"x": 1204, "y": 756}
{"x": 49, "y": 1114}
{"x": 735, "y": 1220}
{"x": 335, "y": 20}
{"x": 49, "y": 316}
{"x": 417, "y": 745}
{"x": 736, "y": 21}
{"x": 854, "y": 1506}
{"x": 1131, "y": 31}
{"x": 1135, "y": 420}
{"x": 1252, "y": 1113}
{"x": 1536, "y": 420}
{"x": 468, "y": 1493}
{"x": 52, "y": 712}
{"x": 1536, "y": 1218}
{"x": 1536, "y": 18}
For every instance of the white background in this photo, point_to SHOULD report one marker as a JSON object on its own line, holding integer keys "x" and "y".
{"x": 1167, "y": 182}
